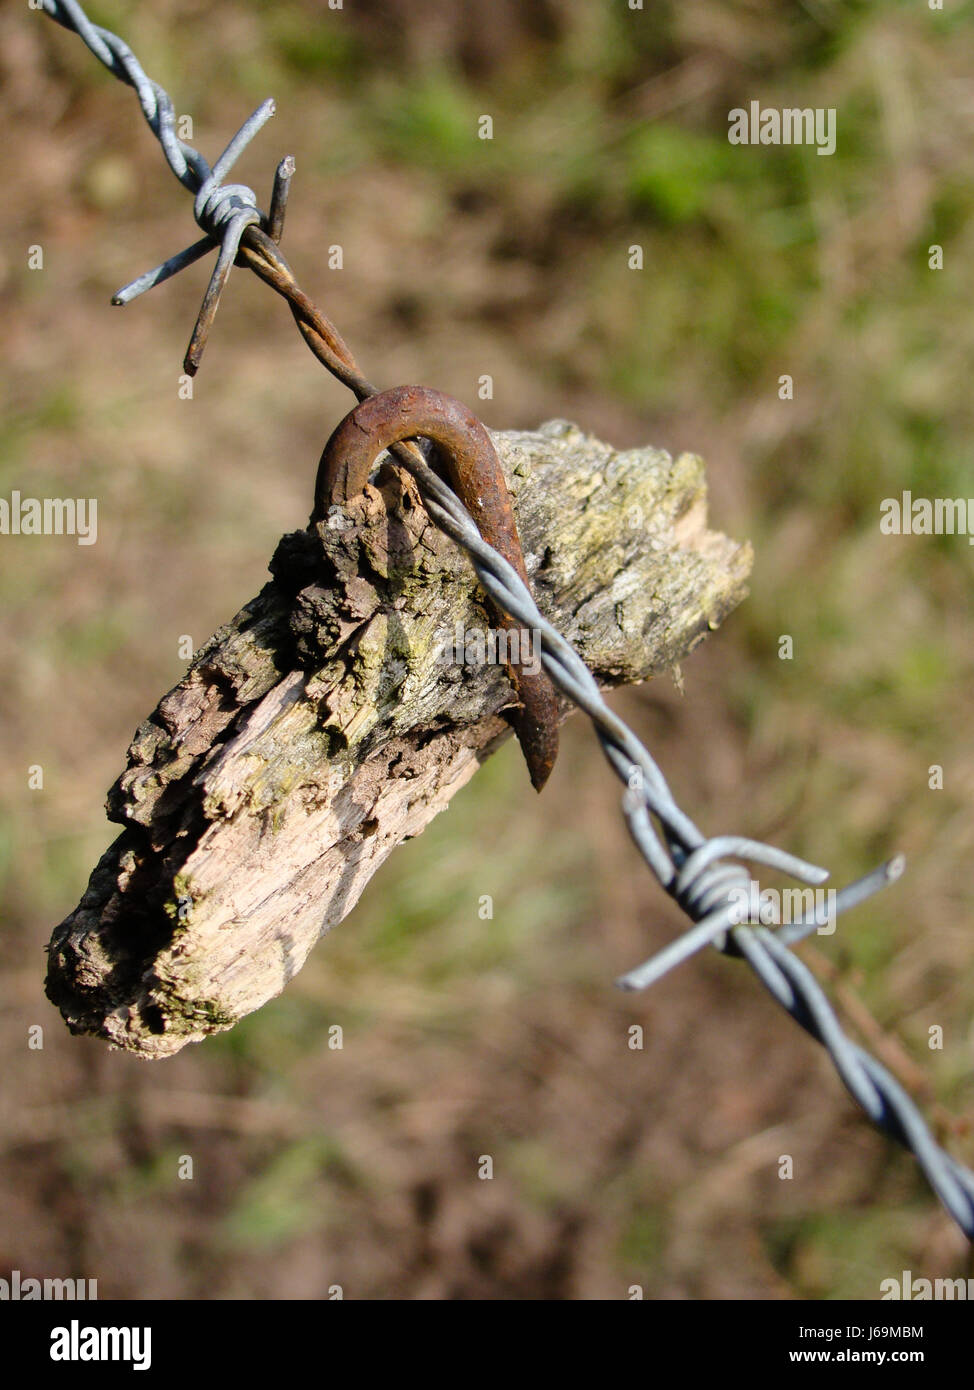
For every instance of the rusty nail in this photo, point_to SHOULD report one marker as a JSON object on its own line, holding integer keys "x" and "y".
{"x": 475, "y": 474}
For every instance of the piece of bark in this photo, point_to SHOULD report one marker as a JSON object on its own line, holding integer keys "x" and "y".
{"x": 318, "y": 729}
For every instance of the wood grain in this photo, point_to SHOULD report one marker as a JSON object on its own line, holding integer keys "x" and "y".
{"x": 318, "y": 729}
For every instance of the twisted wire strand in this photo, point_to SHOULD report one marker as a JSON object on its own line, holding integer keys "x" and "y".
{"x": 187, "y": 164}
{"x": 255, "y": 246}
{"x": 222, "y": 211}
{"x": 694, "y": 870}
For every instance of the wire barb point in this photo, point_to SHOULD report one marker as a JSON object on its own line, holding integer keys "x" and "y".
{"x": 279, "y": 196}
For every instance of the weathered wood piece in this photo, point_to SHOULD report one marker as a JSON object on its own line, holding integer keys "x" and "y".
{"x": 318, "y": 729}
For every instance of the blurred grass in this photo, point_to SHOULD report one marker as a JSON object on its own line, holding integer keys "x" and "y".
{"x": 609, "y": 131}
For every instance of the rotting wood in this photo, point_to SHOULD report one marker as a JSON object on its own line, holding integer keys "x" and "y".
{"x": 318, "y": 730}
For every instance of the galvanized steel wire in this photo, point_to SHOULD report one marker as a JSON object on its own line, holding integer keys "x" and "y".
{"x": 693, "y": 869}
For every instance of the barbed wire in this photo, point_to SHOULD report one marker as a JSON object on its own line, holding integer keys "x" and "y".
{"x": 693, "y": 869}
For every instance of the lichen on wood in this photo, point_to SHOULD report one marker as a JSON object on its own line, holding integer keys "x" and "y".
{"x": 320, "y": 728}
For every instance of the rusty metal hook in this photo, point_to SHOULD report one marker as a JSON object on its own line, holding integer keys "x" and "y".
{"x": 475, "y": 474}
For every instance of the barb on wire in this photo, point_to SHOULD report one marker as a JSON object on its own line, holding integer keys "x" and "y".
{"x": 694, "y": 870}
{"x": 222, "y": 211}
{"x": 232, "y": 208}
